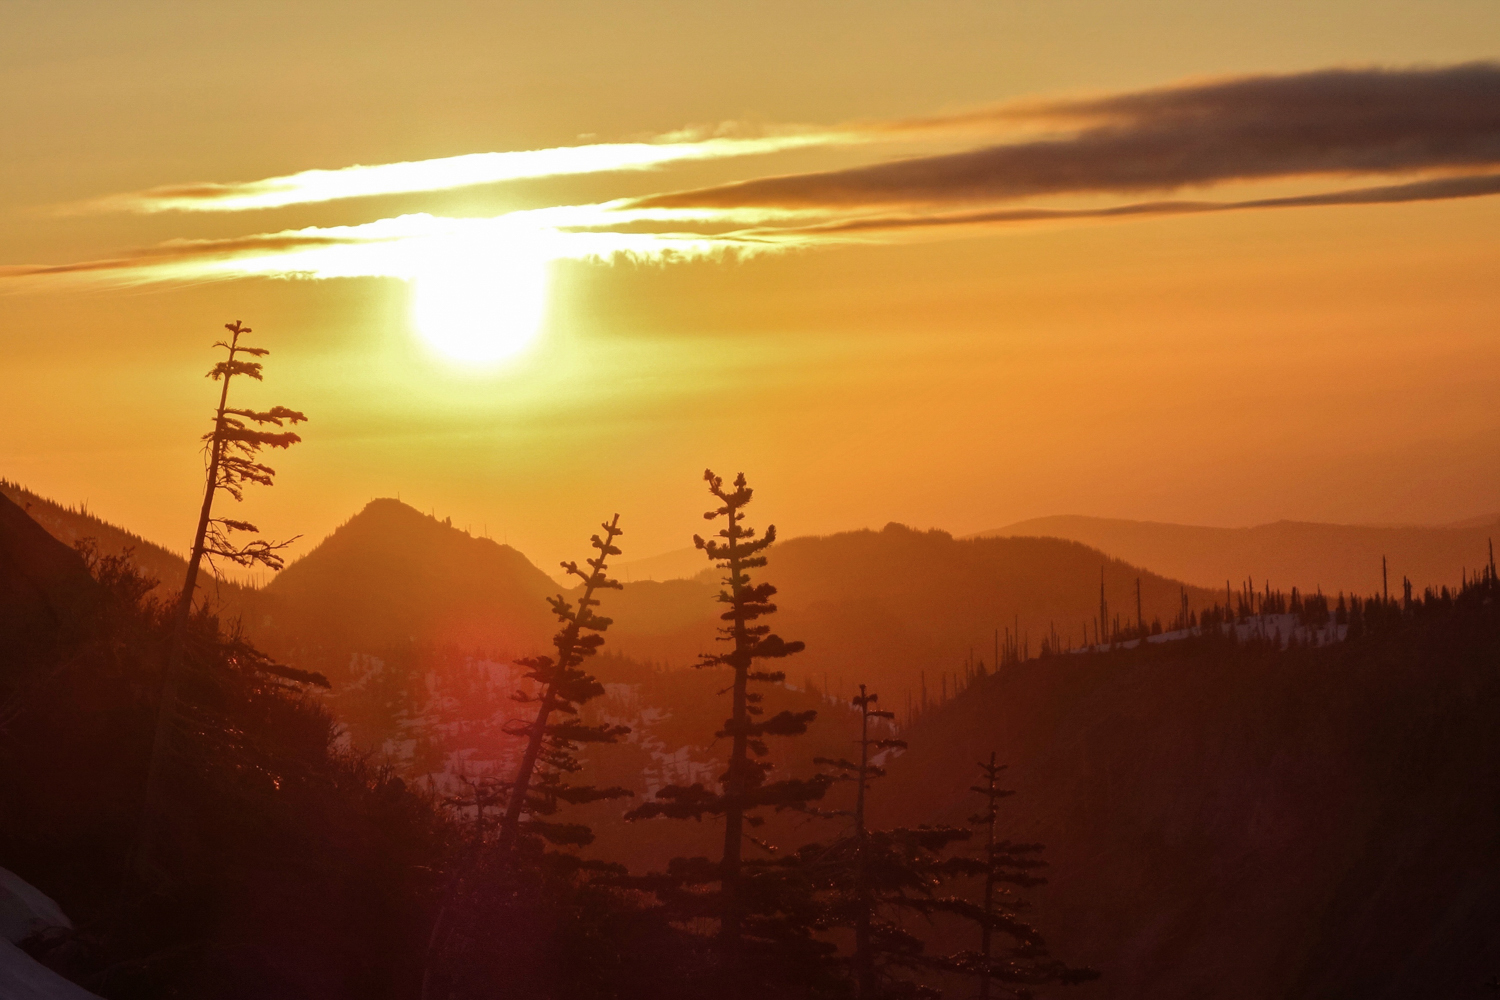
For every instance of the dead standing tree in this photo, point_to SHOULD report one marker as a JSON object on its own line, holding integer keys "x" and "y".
{"x": 232, "y": 450}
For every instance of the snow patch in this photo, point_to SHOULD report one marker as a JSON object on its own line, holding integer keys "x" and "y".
{"x": 1280, "y": 629}
{"x": 25, "y": 909}
{"x": 23, "y": 978}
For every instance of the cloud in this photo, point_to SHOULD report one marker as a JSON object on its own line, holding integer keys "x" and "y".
{"x": 471, "y": 169}
{"x": 1430, "y": 134}
{"x": 1441, "y": 189}
{"x": 444, "y": 173}
{"x": 403, "y": 247}
{"x": 1326, "y": 123}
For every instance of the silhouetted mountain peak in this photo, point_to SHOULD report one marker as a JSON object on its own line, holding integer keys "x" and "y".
{"x": 398, "y": 530}
{"x": 392, "y": 575}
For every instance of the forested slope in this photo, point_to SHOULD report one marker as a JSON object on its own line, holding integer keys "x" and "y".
{"x": 73, "y": 524}
{"x": 1230, "y": 820}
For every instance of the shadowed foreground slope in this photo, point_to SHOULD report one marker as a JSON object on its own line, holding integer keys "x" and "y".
{"x": 290, "y": 869}
{"x": 1230, "y": 821}
{"x": 1222, "y": 820}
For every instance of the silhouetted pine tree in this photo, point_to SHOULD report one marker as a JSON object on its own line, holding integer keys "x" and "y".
{"x": 761, "y": 902}
{"x": 233, "y": 449}
{"x": 871, "y": 879}
{"x": 540, "y": 784}
{"x": 864, "y": 899}
{"x": 1006, "y": 863}
{"x": 518, "y": 914}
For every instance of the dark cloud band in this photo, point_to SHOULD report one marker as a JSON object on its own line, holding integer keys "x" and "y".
{"x": 1331, "y": 122}
{"x": 1442, "y": 189}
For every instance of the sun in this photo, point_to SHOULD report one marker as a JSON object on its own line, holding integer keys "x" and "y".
{"x": 481, "y": 310}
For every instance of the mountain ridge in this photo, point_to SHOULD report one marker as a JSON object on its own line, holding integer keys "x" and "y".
{"x": 1304, "y": 554}
{"x": 888, "y": 605}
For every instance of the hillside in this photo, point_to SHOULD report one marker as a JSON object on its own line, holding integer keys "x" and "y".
{"x": 891, "y": 605}
{"x": 289, "y": 868}
{"x": 415, "y": 622}
{"x": 47, "y": 598}
{"x": 679, "y": 564}
{"x": 1222, "y": 819}
{"x": 70, "y": 525}
{"x": 1337, "y": 557}
{"x": 392, "y": 577}
{"x": 1230, "y": 821}
{"x": 888, "y": 606}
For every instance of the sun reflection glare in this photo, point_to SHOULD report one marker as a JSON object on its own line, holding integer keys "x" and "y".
{"x": 481, "y": 310}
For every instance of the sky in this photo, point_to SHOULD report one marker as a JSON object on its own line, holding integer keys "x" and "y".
{"x": 953, "y": 264}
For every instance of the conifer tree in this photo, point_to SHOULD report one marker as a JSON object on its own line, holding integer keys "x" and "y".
{"x": 862, "y": 773}
{"x": 504, "y": 888}
{"x": 1005, "y": 864}
{"x": 233, "y": 450}
{"x": 748, "y": 904}
{"x": 870, "y": 879}
{"x": 540, "y": 786}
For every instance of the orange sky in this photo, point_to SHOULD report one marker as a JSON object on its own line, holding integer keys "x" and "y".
{"x": 1332, "y": 363}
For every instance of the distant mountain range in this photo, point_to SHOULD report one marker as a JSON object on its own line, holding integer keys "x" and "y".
{"x": 888, "y": 607}
{"x": 898, "y": 608}
{"x": 1221, "y": 819}
{"x": 679, "y": 564}
{"x": 394, "y": 601}
{"x": 1337, "y": 557}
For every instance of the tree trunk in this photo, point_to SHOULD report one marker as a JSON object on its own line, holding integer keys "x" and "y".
{"x": 863, "y": 959}
{"x": 731, "y": 920}
{"x": 989, "y": 887}
{"x": 167, "y": 709}
{"x": 510, "y": 825}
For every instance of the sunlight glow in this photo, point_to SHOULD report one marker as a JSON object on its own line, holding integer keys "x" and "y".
{"x": 481, "y": 310}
